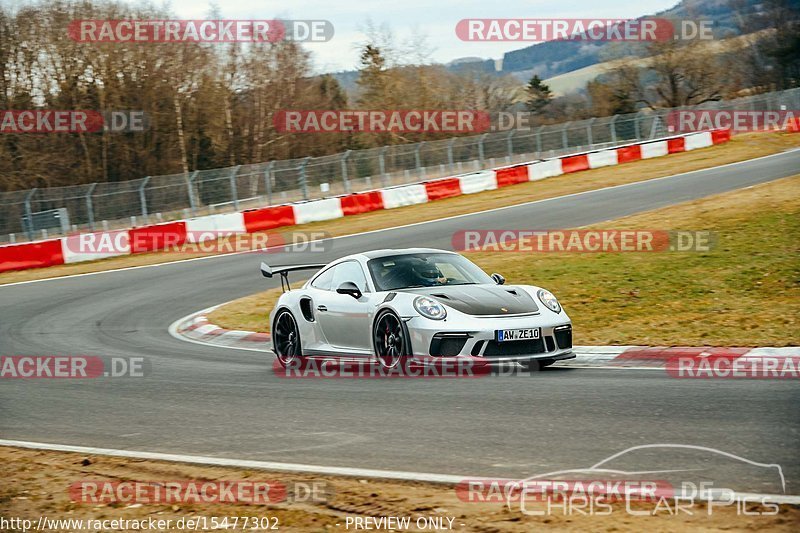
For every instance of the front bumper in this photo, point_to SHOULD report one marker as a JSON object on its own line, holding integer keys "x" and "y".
{"x": 433, "y": 340}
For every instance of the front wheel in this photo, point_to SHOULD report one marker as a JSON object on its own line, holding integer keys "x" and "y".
{"x": 390, "y": 340}
{"x": 286, "y": 338}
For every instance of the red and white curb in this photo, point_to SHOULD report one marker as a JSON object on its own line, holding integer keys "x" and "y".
{"x": 197, "y": 328}
{"x": 669, "y": 357}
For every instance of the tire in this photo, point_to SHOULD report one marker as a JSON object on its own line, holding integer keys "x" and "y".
{"x": 389, "y": 340}
{"x": 286, "y": 338}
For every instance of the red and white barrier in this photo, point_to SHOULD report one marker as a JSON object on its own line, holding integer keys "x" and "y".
{"x": 698, "y": 140}
{"x": 31, "y": 255}
{"x": 544, "y": 169}
{"x": 511, "y": 175}
{"x": 93, "y": 246}
{"x": 477, "y": 182}
{"x": 605, "y": 158}
{"x": 213, "y": 227}
{"x": 654, "y": 149}
{"x": 574, "y": 163}
{"x": 442, "y": 188}
{"x": 157, "y": 237}
{"x": 354, "y": 204}
{"x": 626, "y": 154}
{"x": 318, "y": 210}
{"x": 268, "y": 218}
{"x": 402, "y": 196}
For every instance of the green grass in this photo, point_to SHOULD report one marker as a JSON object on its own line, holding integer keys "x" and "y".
{"x": 744, "y": 292}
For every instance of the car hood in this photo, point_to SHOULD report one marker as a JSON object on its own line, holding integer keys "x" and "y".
{"x": 482, "y": 299}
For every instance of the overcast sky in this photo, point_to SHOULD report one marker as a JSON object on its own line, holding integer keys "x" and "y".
{"x": 435, "y": 19}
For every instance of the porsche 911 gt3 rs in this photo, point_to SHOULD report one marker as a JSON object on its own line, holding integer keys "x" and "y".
{"x": 418, "y": 303}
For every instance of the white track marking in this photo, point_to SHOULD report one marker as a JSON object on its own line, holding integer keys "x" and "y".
{"x": 399, "y": 475}
{"x": 453, "y": 217}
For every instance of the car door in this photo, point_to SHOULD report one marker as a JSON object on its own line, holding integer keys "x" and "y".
{"x": 345, "y": 320}
{"x": 317, "y": 291}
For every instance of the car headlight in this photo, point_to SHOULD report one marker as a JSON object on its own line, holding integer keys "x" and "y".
{"x": 430, "y": 308}
{"x": 550, "y": 301}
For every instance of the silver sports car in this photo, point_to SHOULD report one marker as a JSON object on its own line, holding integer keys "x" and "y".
{"x": 420, "y": 303}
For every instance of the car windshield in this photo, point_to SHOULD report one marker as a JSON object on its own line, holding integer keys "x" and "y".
{"x": 408, "y": 271}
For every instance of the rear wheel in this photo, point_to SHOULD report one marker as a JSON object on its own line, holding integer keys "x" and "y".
{"x": 286, "y": 338}
{"x": 390, "y": 340}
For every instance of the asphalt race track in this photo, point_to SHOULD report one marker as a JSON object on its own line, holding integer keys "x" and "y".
{"x": 211, "y": 401}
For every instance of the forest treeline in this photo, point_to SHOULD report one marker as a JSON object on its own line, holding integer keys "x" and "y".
{"x": 211, "y": 105}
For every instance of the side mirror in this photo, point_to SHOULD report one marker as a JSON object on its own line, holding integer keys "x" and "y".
{"x": 498, "y": 278}
{"x": 348, "y": 287}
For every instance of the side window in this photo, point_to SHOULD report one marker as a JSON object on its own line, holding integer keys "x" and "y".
{"x": 323, "y": 281}
{"x": 349, "y": 271}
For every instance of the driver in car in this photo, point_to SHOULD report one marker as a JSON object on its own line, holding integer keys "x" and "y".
{"x": 428, "y": 274}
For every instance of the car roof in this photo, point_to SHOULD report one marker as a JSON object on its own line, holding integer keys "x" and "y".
{"x": 386, "y": 252}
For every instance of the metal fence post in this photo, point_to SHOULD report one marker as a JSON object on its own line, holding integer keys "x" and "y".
{"x": 268, "y": 181}
{"x": 29, "y": 213}
{"x": 382, "y": 164}
{"x": 345, "y": 155}
{"x": 303, "y": 181}
{"x": 234, "y": 191}
{"x": 539, "y": 140}
{"x": 143, "y": 199}
{"x": 480, "y": 147}
{"x": 564, "y": 139}
{"x": 654, "y": 128}
{"x": 614, "y": 129}
{"x": 510, "y": 142}
{"x": 190, "y": 190}
{"x": 89, "y": 206}
{"x": 636, "y": 129}
{"x": 450, "y": 153}
{"x": 589, "y": 136}
{"x": 417, "y": 157}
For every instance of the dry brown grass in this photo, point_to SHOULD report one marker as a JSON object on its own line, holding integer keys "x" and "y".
{"x": 35, "y": 484}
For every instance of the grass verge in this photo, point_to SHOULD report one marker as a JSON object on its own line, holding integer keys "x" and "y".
{"x": 740, "y": 148}
{"x": 745, "y": 291}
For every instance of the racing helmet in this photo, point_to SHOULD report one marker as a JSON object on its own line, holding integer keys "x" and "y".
{"x": 427, "y": 272}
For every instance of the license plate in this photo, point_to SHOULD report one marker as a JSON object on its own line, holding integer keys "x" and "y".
{"x": 525, "y": 334}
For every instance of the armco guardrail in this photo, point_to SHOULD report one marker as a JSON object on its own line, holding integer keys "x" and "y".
{"x": 112, "y": 205}
{"x": 156, "y": 237}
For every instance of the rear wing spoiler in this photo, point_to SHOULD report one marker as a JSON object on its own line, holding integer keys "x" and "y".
{"x": 268, "y": 271}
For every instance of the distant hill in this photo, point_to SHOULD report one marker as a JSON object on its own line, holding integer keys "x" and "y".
{"x": 559, "y": 57}
{"x": 555, "y": 58}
